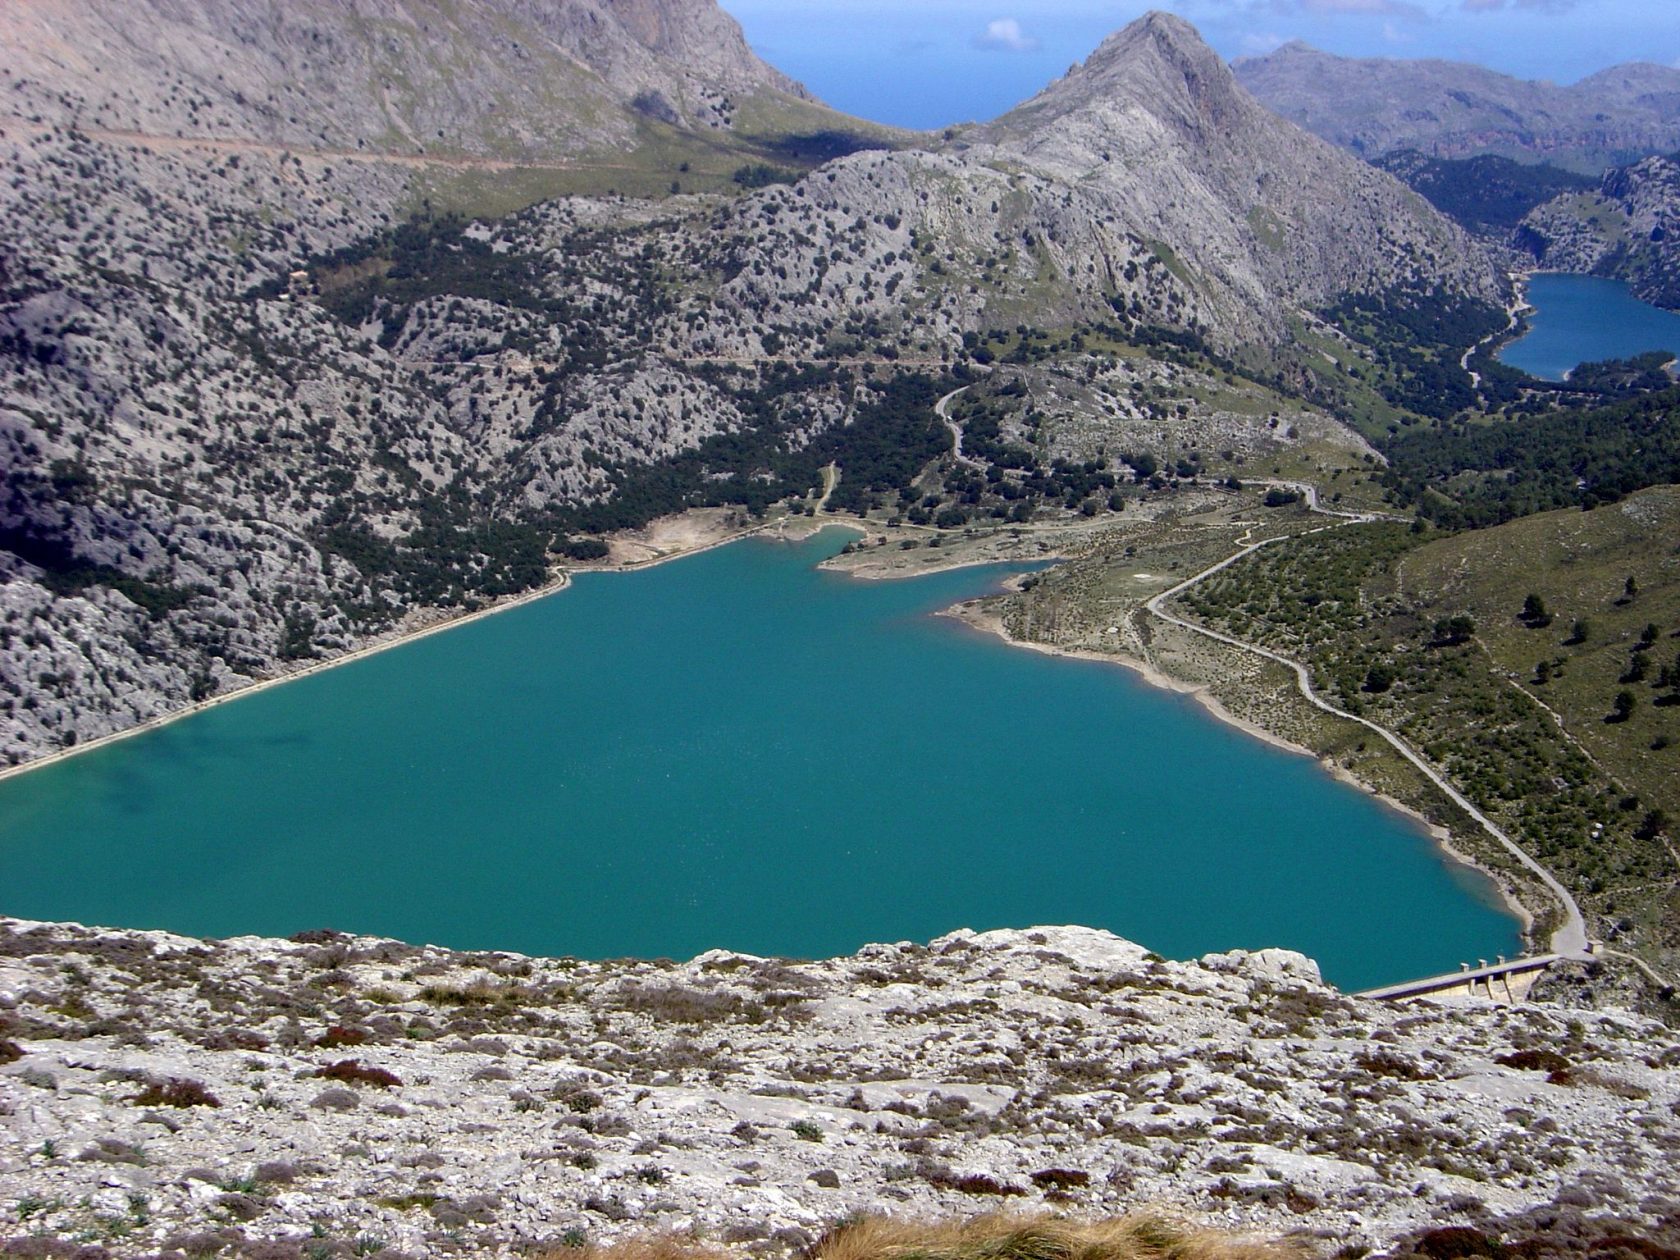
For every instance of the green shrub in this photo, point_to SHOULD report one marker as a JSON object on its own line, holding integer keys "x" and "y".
{"x": 354, "y": 1073}
{"x": 176, "y": 1092}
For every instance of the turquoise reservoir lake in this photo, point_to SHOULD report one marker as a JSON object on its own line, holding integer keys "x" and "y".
{"x": 737, "y": 750}
{"x": 1584, "y": 319}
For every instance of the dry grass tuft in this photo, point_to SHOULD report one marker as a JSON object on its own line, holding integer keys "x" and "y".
{"x": 642, "y": 1247}
{"x": 994, "y": 1236}
{"x": 481, "y": 993}
{"x": 1021, "y": 1236}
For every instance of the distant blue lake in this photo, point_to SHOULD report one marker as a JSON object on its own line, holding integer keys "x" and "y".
{"x": 737, "y": 750}
{"x": 1585, "y": 319}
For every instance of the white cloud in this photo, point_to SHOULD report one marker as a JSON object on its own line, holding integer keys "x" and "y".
{"x": 1533, "y": 6}
{"x": 1410, "y": 10}
{"x": 1006, "y": 35}
{"x": 1366, "y": 8}
{"x": 1257, "y": 44}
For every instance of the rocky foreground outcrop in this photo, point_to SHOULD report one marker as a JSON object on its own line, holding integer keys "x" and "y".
{"x": 334, "y": 1095}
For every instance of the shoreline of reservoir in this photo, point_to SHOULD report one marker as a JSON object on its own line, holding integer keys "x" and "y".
{"x": 1623, "y": 325}
{"x": 971, "y": 614}
{"x": 384, "y": 643}
{"x": 691, "y": 534}
{"x": 703, "y": 540}
{"x": 688, "y": 534}
{"x": 1274, "y": 829}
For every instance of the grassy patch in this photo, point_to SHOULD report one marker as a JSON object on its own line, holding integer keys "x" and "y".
{"x": 1418, "y": 646}
{"x": 1578, "y": 564}
{"x": 1268, "y": 229}
{"x": 797, "y": 135}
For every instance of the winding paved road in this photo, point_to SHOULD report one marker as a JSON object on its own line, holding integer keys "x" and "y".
{"x": 1570, "y": 938}
{"x": 942, "y": 409}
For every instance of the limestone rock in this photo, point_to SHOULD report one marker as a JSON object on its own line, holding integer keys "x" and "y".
{"x": 500, "y": 78}
{"x": 762, "y": 1099}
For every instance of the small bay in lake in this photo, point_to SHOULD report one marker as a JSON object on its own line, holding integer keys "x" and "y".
{"x": 738, "y": 750}
{"x": 1586, "y": 319}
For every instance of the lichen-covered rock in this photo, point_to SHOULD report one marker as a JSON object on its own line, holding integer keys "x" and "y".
{"x": 757, "y": 1098}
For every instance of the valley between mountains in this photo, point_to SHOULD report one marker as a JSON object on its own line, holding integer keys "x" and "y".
{"x": 322, "y": 324}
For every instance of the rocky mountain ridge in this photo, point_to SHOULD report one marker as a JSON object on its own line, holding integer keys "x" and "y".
{"x": 332, "y": 1093}
{"x": 1453, "y": 110}
{"x": 500, "y": 78}
{"x": 1159, "y": 126}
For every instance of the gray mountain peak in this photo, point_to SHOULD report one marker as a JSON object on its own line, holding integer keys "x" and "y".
{"x": 1156, "y": 25}
{"x": 1158, "y": 122}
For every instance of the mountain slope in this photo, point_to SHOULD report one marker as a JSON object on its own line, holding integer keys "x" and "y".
{"x": 258, "y": 410}
{"x": 504, "y": 78}
{"x": 1451, "y": 109}
{"x": 1627, "y": 228}
{"x": 1487, "y": 195}
{"x": 1156, "y": 126}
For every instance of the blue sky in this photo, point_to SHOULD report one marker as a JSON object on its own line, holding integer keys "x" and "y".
{"x": 926, "y": 63}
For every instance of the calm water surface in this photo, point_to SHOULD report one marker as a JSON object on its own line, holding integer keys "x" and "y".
{"x": 1583, "y": 319}
{"x": 736, "y": 750}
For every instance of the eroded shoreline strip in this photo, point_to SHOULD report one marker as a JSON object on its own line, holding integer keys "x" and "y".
{"x": 990, "y": 623}
{"x": 385, "y": 643}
